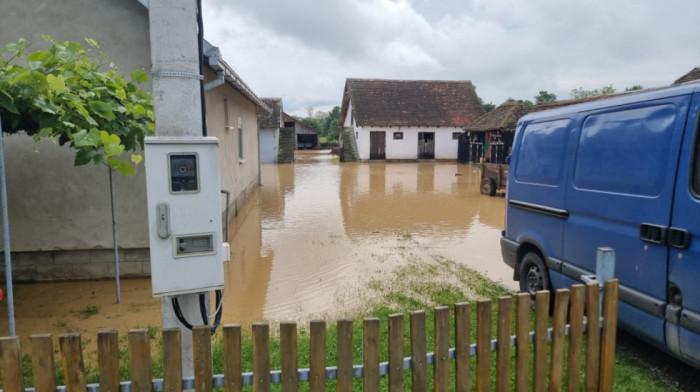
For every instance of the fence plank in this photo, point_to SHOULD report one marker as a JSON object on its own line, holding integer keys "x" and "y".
{"x": 556, "y": 361}
{"x": 11, "y": 365}
{"x": 505, "y": 317}
{"x": 522, "y": 341}
{"x": 483, "y": 345}
{"x": 573, "y": 369}
{"x": 73, "y": 366}
{"x": 172, "y": 360}
{"x": 345, "y": 350}
{"x": 419, "y": 366}
{"x": 462, "y": 349}
{"x": 108, "y": 360}
{"x": 592, "y": 337}
{"x": 289, "y": 357}
{"x": 396, "y": 342}
{"x": 542, "y": 299}
{"x": 607, "y": 351}
{"x": 233, "y": 367}
{"x": 140, "y": 361}
{"x": 261, "y": 357}
{"x": 317, "y": 360}
{"x": 441, "y": 349}
{"x": 370, "y": 354}
{"x": 43, "y": 363}
{"x": 201, "y": 358}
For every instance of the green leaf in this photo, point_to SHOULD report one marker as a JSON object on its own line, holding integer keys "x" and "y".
{"x": 114, "y": 151}
{"x": 8, "y": 103}
{"x": 57, "y": 83}
{"x": 91, "y": 42}
{"x": 122, "y": 167}
{"x": 109, "y": 139}
{"x": 120, "y": 93}
{"x": 139, "y": 76}
{"x": 83, "y": 157}
{"x": 136, "y": 158}
{"x": 102, "y": 109}
{"x": 83, "y": 138}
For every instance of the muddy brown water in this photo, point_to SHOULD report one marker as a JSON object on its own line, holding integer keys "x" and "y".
{"x": 304, "y": 246}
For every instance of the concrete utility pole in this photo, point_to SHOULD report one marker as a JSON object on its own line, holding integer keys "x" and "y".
{"x": 178, "y": 112}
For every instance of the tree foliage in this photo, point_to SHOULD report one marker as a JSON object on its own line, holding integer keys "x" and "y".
{"x": 545, "y": 96}
{"x": 62, "y": 94}
{"x": 583, "y": 93}
{"x": 325, "y": 122}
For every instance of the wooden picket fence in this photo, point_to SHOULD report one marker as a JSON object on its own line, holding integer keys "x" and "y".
{"x": 546, "y": 359}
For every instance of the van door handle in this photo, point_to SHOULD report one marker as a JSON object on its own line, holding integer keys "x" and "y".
{"x": 652, "y": 233}
{"x": 678, "y": 238}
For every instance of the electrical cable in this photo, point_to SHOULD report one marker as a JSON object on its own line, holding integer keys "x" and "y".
{"x": 202, "y": 311}
{"x": 200, "y": 42}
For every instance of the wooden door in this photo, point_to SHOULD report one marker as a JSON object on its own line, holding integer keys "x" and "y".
{"x": 377, "y": 145}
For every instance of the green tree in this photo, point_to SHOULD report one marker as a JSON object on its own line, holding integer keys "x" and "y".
{"x": 545, "y": 96}
{"x": 62, "y": 94}
{"x": 583, "y": 93}
{"x": 325, "y": 123}
{"x": 634, "y": 88}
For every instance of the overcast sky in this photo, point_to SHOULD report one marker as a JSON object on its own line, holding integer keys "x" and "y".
{"x": 303, "y": 50}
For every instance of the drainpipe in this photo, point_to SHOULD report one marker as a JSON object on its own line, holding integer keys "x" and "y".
{"x": 216, "y": 82}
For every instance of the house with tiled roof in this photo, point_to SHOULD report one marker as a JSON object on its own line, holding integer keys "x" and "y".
{"x": 694, "y": 74}
{"x": 405, "y": 119}
{"x": 491, "y": 136}
{"x": 269, "y": 125}
{"x": 305, "y": 137}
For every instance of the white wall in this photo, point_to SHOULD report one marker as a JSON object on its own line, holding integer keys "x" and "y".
{"x": 445, "y": 146}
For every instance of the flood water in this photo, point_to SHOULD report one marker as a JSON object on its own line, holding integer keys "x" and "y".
{"x": 305, "y": 246}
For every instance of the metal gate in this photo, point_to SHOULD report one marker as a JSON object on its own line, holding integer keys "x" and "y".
{"x": 426, "y": 145}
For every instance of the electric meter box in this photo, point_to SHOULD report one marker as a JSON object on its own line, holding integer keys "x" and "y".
{"x": 184, "y": 214}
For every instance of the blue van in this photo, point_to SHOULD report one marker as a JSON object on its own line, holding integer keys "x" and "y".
{"x": 623, "y": 173}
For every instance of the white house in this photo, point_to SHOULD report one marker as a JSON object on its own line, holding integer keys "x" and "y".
{"x": 405, "y": 119}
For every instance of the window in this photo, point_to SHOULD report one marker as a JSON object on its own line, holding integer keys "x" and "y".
{"x": 398, "y": 135}
{"x": 240, "y": 138}
{"x": 226, "y": 124}
{"x": 456, "y": 135}
{"x": 625, "y": 151}
{"x": 542, "y": 151}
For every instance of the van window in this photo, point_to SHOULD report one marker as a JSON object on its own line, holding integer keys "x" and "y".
{"x": 625, "y": 151}
{"x": 542, "y": 150}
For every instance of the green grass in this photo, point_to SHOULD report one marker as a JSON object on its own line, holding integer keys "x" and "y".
{"x": 415, "y": 286}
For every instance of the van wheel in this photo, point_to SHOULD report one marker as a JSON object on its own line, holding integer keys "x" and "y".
{"x": 488, "y": 186}
{"x": 533, "y": 274}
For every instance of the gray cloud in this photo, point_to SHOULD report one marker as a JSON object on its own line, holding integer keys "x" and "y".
{"x": 303, "y": 50}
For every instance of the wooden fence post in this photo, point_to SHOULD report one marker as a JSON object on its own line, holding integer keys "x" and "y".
{"x": 441, "y": 349}
{"x": 289, "y": 356}
{"x": 396, "y": 342}
{"x": 522, "y": 341}
{"x": 556, "y": 360}
{"x": 505, "y": 312}
{"x": 592, "y": 337}
{"x": 573, "y": 367}
{"x": 172, "y": 360}
{"x": 108, "y": 360}
{"x": 483, "y": 346}
{"x": 462, "y": 347}
{"x": 607, "y": 352}
{"x": 11, "y": 365}
{"x": 542, "y": 299}
{"x": 140, "y": 361}
{"x": 44, "y": 363}
{"x": 201, "y": 358}
{"x": 261, "y": 357}
{"x": 370, "y": 354}
{"x": 345, "y": 350}
{"x": 317, "y": 360}
{"x": 73, "y": 366}
{"x": 419, "y": 366}
{"x": 233, "y": 380}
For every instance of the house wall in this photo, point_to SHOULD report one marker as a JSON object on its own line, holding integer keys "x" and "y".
{"x": 60, "y": 219}
{"x": 407, "y": 148}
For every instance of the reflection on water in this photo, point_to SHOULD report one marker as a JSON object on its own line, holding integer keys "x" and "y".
{"x": 305, "y": 246}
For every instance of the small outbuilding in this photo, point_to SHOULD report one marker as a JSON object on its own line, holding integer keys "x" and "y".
{"x": 270, "y": 124}
{"x": 490, "y": 138}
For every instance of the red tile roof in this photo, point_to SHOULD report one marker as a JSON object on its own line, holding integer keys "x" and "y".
{"x": 377, "y": 102}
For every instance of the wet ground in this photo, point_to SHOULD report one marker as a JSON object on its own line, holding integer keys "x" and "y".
{"x": 305, "y": 246}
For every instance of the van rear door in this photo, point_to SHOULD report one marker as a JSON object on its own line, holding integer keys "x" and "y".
{"x": 620, "y": 196}
{"x": 683, "y": 312}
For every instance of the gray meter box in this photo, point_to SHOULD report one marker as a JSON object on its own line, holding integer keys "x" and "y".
{"x": 184, "y": 214}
